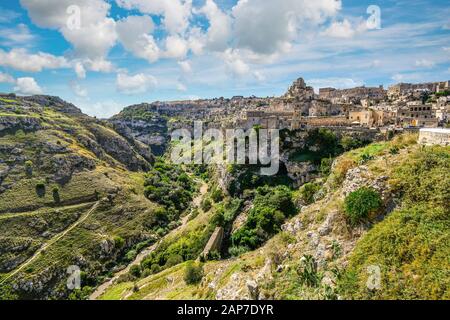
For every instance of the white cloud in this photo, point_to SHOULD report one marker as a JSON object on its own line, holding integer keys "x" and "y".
{"x": 176, "y": 47}
{"x": 185, "y": 66}
{"x": 96, "y": 33}
{"x": 135, "y": 84}
{"x": 135, "y": 34}
{"x": 219, "y": 31}
{"x": 181, "y": 87}
{"x": 407, "y": 77}
{"x": 21, "y": 60}
{"x": 19, "y": 35}
{"x": 102, "y": 109}
{"x": 78, "y": 89}
{"x": 27, "y": 86}
{"x": 424, "y": 63}
{"x": 343, "y": 29}
{"x": 338, "y": 83}
{"x": 235, "y": 65}
{"x": 267, "y": 27}
{"x": 176, "y": 13}
{"x": 99, "y": 65}
{"x": 6, "y": 78}
{"x": 80, "y": 70}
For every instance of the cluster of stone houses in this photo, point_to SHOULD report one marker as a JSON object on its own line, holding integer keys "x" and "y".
{"x": 398, "y": 107}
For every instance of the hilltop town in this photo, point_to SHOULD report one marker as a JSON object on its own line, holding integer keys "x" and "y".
{"x": 401, "y": 106}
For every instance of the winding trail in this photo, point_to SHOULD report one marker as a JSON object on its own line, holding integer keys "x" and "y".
{"x": 143, "y": 254}
{"x": 52, "y": 241}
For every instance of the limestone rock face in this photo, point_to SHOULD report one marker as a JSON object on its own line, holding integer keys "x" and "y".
{"x": 119, "y": 148}
{"x": 152, "y": 133}
{"x": 361, "y": 176}
{"x": 12, "y": 124}
{"x": 66, "y": 165}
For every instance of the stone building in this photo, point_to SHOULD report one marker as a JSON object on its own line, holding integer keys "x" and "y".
{"x": 370, "y": 118}
{"x": 416, "y": 114}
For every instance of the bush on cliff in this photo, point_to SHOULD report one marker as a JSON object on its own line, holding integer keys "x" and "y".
{"x": 361, "y": 203}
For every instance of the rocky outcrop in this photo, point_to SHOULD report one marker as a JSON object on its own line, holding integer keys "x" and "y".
{"x": 119, "y": 148}
{"x": 10, "y": 124}
{"x": 54, "y": 102}
{"x": 299, "y": 172}
{"x": 64, "y": 166}
{"x": 152, "y": 133}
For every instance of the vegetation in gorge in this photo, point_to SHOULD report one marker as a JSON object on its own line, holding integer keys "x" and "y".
{"x": 271, "y": 207}
{"x": 170, "y": 186}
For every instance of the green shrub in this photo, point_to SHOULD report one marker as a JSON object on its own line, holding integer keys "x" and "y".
{"x": 206, "y": 205}
{"x": 217, "y": 195}
{"x": 308, "y": 273}
{"x": 119, "y": 242}
{"x": 325, "y": 166}
{"x": 307, "y": 192}
{"x": 174, "y": 260}
{"x": 237, "y": 251}
{"x": 270, "y": 209}
{"x": 360, "y": 203}
{"x": 135, "y": 271}
{"x": 29, "y": 168}
{"x": 155, "y": 268}
{"x": 193, "y": 273}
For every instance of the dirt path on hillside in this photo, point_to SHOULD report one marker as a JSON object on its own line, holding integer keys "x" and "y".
{"x": 141, "y": 256}
{"x": 51, "y": 242}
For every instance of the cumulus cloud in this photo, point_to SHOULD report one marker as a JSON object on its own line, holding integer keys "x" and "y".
{"x": 135, "y": 34}
{"x": 94, "y": 36}
{"x": 27, "y": 86}
{"x": 235, "y": 65}
{"x": 176, "y": 13}
{"x": 267, "y": 27}
{"x": 176, "y": 47}
{"x": 6, "y": 78}
{"x": 135, "y": 84}
{"x": 219, "y": 31}
{"x": 21, "y": 60}
{"x": 343, "y": 29}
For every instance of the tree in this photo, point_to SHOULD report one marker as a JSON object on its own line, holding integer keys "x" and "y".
{"x": 29, "y": 168}
{"x": 135, "y": 271}
{"x": 206, "y": 205}
{"x": 193, "y": 273}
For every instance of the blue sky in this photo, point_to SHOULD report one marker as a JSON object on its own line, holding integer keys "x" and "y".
{"x": 130, "y": 51}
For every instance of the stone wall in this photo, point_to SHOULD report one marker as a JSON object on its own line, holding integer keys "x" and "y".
{"x": 215, "y": 242}
{"x": 434, "y": 136}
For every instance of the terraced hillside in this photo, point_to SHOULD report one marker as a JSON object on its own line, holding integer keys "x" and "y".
{"x": 377, "y": 227}
{"x": 71, "y": 193}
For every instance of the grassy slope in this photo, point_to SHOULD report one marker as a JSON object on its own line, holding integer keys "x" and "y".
{"x": 30, "y": 219}
{"x": 411, "y": 245}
